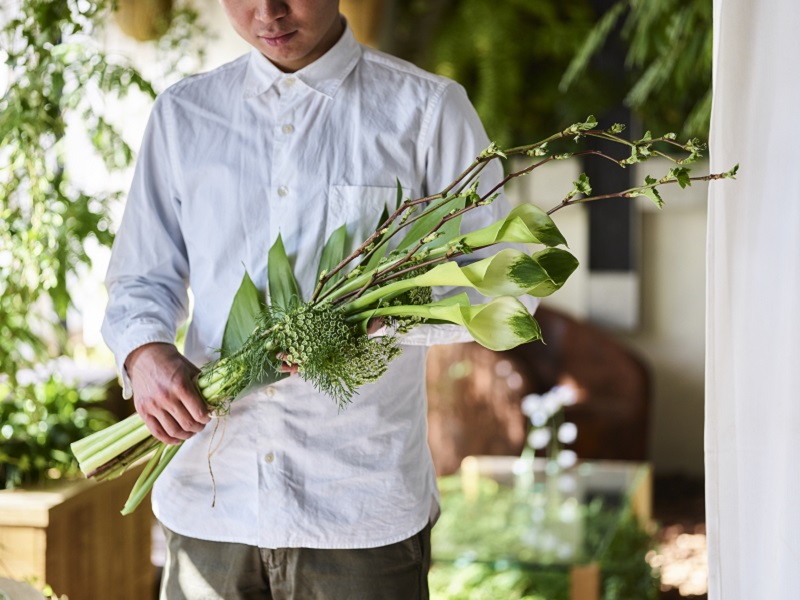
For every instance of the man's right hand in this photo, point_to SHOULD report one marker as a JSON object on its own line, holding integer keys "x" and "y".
{"x": 164, "y": 392}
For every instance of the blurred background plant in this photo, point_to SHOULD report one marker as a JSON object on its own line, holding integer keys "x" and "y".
{"x": 38, "y": 422}
{"x": 549, "y": 432}
{"x": 668, "y": 46}
{"x": 59, "y": 81}
{"x": 526, "y": 65}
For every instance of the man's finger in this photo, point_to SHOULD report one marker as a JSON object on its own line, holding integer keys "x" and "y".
{"x": 158, "y": 431}
{"x": 194, "y": 403}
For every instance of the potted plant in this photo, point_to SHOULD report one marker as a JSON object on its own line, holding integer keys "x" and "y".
{"x": 53, "y": 525}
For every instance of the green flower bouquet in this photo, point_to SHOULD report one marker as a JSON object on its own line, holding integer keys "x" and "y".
{"x": 326, "y": 335}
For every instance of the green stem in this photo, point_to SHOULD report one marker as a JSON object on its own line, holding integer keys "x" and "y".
{"x": 120, "y": 464}
{"x": 409, "y": 310}
{"x": 115, "y": 448}
{"x": 144, "y": 487}
{"x": 629, "y": 192}
{"x": 91, "y": 444}
{"x": 148, "y": 469}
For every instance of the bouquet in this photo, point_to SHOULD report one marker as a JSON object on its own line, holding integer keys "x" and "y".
{"x": 391, "y": 276}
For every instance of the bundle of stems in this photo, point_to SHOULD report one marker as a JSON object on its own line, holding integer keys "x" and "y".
{"x": 326, "y": 334}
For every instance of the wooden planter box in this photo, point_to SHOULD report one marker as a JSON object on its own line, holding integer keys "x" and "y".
{"x": 71, "y": 536}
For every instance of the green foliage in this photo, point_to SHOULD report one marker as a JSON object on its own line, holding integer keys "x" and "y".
{"x": 508, "y": 55}
{"x": 481, "y": 550}
{"x": 669, "y": 52}
{"x": 57, "y": 76}
{"x": 283, "y": 289}
{"x": 329, "y": 352}
{"x": 243, "y": 316}
{"x": 37, "y": 424}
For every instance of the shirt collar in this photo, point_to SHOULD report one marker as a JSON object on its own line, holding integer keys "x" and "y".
{"x": 324, "y": 75}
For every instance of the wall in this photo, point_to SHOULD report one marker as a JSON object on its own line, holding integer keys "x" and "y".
{"x": 671, "y": 331}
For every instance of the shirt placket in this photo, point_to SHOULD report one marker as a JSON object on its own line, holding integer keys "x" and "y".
{"x": 281, "y": 199}
{"x": 282, "y": 193}
{"x": 271, "y": 465}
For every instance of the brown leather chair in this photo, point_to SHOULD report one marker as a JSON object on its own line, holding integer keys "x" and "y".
{"x": 475, "y": 394}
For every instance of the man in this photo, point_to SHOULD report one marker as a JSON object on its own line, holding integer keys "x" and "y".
{"x": 307, "y": 132}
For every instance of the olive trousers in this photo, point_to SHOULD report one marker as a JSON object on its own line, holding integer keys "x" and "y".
{"x": 201, "y": 570}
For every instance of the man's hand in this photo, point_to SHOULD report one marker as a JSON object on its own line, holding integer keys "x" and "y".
{"x": 164, "y": 392}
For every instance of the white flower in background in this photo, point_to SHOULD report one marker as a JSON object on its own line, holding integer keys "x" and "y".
{"x": 567, "y": 484}
{"x": 567, "y": 433}
{"x": 551, "y": 402}
{"x": 540, "y": 418}
{"x": 539, "y": 438}
{"x": 566, "y": 459}
{"x": 530, "y": 404}
{"x": 567, "y": 395}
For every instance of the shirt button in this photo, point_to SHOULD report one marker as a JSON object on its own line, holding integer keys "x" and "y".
{"x": 283, "y": 191}
{"x": 290, "y": 81}
{"x": 287, "y": 129}
{"x": 270, "y": 458}
{"x": 271, "y": 392}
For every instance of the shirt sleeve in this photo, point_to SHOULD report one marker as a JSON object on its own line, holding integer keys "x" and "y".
{"x": 148, "y": 273}
{"x": 454, "y": 138}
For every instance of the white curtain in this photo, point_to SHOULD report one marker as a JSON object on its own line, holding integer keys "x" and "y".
{"x": 753, "y": 305}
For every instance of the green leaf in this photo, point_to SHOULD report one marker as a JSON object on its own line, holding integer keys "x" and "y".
{"x": 649, "y": 192}
{"x": 399, "y": 200}
{"x": 423, "y": 226}
{"x": 681, "y": 174}
{"x": 590, "y": 123}
{"x": 582, "y": 186}
{"x": 243, "y": 317}
{"x": 332, "y": 253}
{"x": 283, "y": 288}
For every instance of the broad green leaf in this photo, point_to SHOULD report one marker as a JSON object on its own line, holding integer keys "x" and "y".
{"x": 243, "y": 317}
{"x": 333, "y": 252}
{"x": 283, "y": 289}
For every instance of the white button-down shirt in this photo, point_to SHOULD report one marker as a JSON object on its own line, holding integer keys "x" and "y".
{"x": 231, "y": 159}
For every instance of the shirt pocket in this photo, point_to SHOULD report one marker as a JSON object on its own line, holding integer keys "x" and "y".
{"x": 361, "y": 208}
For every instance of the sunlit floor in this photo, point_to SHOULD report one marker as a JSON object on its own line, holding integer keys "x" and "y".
{"x": 681, "y": 556}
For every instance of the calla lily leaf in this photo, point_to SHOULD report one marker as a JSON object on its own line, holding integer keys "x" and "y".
{"x": 243, "y": 318}
{"x": 283, "y": 288}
